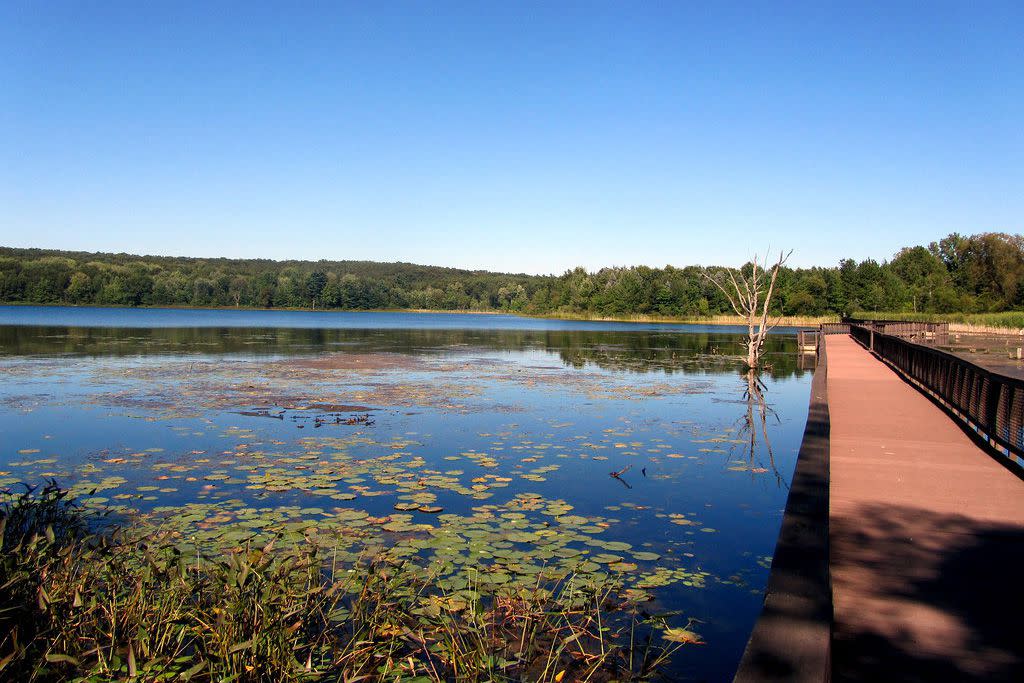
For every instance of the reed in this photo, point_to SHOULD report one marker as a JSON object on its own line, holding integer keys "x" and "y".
{"x": 784, "y": 321}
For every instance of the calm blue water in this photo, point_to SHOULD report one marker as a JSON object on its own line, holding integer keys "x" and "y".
{"x": 196, "y": 409}
{"x": 170, "y": 317}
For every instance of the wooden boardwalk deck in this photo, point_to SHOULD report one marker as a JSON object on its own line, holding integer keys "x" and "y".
{"x": 926, "y": 534}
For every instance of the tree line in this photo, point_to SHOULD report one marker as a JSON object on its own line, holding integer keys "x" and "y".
{"x": 977, "y": 273}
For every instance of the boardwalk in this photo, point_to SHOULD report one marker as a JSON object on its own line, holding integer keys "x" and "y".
{"x": 926, "y": 532}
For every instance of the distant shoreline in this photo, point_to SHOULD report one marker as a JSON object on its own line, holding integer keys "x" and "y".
{"x": 788, "y": 321}
{"x": 958, "y": 323}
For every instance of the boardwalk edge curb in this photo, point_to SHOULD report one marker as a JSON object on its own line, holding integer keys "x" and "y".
{"x": 792, "y": 638}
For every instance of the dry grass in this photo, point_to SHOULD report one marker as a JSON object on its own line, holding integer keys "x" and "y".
{"x": 785, "y": 321}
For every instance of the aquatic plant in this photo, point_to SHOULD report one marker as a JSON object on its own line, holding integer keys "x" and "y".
{"x": 86, "y": 600}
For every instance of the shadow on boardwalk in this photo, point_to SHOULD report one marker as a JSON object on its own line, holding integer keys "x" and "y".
{"x": 943, "y": 597}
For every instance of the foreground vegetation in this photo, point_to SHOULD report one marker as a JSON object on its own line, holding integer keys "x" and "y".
{"x": 980, "y": 273}
{"x": 87, "y": 600}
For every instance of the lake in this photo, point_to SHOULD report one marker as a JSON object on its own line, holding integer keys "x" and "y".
{"x": 478, "y": 444}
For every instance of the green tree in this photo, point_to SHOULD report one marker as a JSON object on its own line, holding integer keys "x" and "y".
{"x": 315, "y": 285}
{"x": 79, "y": 288}
{"x": 925, "y": 277}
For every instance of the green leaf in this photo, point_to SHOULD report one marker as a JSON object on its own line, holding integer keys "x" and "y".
{"x": 241, "y": 646}
{"x": 193, "y": 671}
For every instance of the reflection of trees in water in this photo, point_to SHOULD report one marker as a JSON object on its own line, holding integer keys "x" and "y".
{"x": 640, "y": 351}
{"x": 689, "y": 353}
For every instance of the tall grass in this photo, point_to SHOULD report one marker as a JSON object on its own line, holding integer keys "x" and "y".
{"x": 99, "y": 604}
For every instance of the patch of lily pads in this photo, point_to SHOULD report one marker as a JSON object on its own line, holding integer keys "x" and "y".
{"x": 528, "y": 539}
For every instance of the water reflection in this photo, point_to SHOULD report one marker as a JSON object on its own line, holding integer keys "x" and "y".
{"x": 754, "y": 425}
{"x": 640, "y": 351}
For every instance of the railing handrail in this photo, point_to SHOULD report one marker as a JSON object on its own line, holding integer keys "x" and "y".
{"x": 860, "y": 321}
{"x": 902, "y": 326}
{"x": 834, "y": 328}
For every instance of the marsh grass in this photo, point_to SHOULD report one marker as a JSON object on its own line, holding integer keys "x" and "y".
{"x": 84, "y": 599}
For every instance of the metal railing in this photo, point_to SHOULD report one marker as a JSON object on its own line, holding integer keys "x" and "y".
{"x": 835, "y": 328}
{"x": 912, "y": 328}
{"x": 990, "y": 403}
{"x": 902, "y": 327}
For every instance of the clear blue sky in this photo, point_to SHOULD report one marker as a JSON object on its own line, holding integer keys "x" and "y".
{"x": 527, "y": 137}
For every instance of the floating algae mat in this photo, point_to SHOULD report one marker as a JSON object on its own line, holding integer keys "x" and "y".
{"x": 499, "y": 453}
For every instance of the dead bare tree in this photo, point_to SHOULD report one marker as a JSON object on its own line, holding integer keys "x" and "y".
{"x": 750, "y": 297}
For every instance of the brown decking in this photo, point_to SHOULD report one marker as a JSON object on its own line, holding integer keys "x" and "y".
{"x": 926, "y": 533}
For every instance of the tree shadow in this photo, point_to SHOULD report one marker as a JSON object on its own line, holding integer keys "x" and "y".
{"x": 922, "y": 596}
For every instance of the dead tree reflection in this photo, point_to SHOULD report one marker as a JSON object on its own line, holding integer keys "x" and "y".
{"x": 754, "y": 425}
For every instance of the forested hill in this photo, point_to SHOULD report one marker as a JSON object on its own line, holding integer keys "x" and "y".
{"x": 982, "y": 272}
